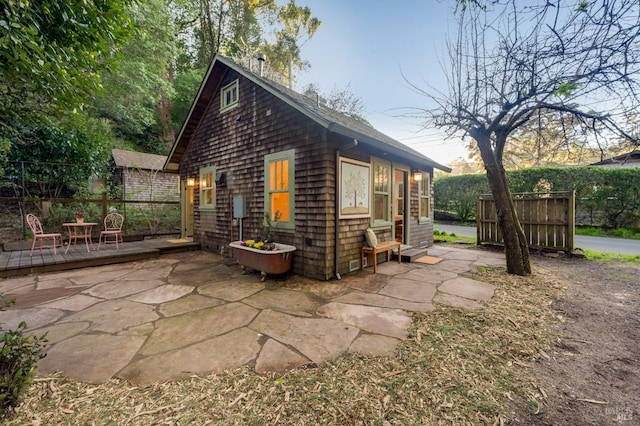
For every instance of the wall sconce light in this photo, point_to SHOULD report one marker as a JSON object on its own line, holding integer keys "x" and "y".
{"x": 417, "y": 175}
{"x": 191, "y": 182}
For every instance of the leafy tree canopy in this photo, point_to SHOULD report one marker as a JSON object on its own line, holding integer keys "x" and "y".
{"x": 57, "y": 157}
{"x": 52, "y": 51}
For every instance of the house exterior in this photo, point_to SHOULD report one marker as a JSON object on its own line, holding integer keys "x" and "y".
{"x": 142, "y": 177}
{"x": 628, "y": 160}
{"x": 250, "y": 147}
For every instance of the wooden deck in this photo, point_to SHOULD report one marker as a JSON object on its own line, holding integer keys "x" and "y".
{"x": 18, "y": 262}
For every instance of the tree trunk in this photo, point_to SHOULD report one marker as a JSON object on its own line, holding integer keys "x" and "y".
{"x": 164, "y": 114}
{"x": 167, "y": 135}
{"x": 515, "y": 243}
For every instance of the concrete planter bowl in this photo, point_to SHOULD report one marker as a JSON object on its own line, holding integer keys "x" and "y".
{"x": 273, "y": 262}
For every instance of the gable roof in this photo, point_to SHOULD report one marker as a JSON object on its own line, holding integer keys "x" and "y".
{"x": 140, "y": 160}
{"x": 629, "y": 157}
{"x": 333, "y": 121}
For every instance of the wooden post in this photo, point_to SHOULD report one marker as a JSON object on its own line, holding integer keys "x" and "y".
{"x": 572, "y": 219}
{"x": 104, "y": 205}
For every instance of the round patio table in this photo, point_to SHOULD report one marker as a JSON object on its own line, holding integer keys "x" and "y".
{"x": 79, "y": 230}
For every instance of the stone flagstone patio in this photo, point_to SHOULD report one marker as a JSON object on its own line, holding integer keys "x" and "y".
{"x": 195, "y": 313}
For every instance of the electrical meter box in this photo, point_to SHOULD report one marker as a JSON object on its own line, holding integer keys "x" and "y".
{"x": 239, "y": 207}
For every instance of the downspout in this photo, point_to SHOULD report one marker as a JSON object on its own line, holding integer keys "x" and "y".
{"x": 337, "y": 209}
{"x": 337, "y": 218}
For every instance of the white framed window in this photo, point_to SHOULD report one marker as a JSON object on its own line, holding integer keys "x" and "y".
{"x": 229, "y": 96}
{"x": 279, "y": 188}
{"x": 208, "y": 188}
{"x": 424, "y": 198}
{"x": 381, "y": 176}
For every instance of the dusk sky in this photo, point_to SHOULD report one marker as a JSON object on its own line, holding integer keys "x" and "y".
{"x": 372, "y": 46}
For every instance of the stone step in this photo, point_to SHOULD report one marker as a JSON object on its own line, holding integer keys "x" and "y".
{"x": 412, "y": 254}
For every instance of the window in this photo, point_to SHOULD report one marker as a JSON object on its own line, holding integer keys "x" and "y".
{"x": 424, "y": 196}
{"x": 279, "y": 195}
{"x": 208, "y": 188}
{"x": 381, "y": 192}
{"x": 229, "y": 97}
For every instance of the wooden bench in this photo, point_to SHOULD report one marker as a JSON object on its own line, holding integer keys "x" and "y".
{"x": 385, "y": 246}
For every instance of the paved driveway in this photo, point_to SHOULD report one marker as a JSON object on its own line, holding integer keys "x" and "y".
{"x": 195, "y": 313}
{"x": 603, "y": 244}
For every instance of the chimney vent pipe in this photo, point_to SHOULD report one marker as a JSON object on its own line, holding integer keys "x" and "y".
{"x": 261, "y": 59}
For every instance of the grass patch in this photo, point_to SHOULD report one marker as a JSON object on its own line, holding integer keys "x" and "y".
{"x": 443, "y": 237}
{"x": 456, "y": 367}
{"x": 627, "y": 233}
{"x": 602, "y": 257}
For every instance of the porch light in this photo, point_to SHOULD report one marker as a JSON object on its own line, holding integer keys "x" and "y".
{"x": 191, "y": 182}
{"x": 417, "y": 175}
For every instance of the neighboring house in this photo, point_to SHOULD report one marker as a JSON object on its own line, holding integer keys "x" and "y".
{"x": 630, "y": 159}
{"x": 251, "y": 147}
{"x": 142, "y": 177}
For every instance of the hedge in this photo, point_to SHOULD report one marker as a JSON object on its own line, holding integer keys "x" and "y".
{"x": 607, "y": 197}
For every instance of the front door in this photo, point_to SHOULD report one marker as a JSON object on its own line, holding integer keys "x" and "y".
{"x": 186, "y": 210}
{"x": 400, "y": 203}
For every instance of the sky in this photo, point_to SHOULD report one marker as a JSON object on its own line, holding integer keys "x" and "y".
{"x": 376, "y": 48}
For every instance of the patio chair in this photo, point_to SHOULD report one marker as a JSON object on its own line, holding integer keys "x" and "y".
{"x": 39, "y": 235}
{"x": 112, "y": 232}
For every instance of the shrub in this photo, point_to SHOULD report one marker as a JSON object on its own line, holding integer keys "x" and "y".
{"x": 607, "y": 197}
{"x": 19, "y": 353}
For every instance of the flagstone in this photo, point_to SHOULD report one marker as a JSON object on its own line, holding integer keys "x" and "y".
{"x": 213, "y": 355}
{"x": 95, "y": 357}
{"x": 74, "y": 303}
{"x": 162, "y": 294}
{"x": 457, "y": 301}
{"x": 275, "y": 357}
{"x": 59, "y": 332}
{"x": 230, "y": 290}
{"x": 427, "y": 274}
{"x": 121, "y": 288}
{"x": 288, "y": 301}
{"x": 190, "y": 303}
{"x": 369, "y": 299}
{"x": 33, "y": 317}
{"x": 468, "y": 288}
{"x": 385, "y": 321}
{"x": 410, "y": 290}
{"x": 319, "y": 339}
{"x": 160, "y": 273}
{"x": 114, "y": 316}
{"x": 183, "y": 330}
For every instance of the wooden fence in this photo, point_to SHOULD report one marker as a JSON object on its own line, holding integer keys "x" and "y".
{"x": 548, "y": 219}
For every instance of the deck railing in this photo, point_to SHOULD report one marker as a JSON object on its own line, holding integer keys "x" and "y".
{"x": 149, "y": 218}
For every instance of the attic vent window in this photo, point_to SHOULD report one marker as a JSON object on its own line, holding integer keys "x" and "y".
{"x": 229, "y": 97}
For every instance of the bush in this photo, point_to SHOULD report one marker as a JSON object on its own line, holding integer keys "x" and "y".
{"x": 605, "y": 197}
{"x": 458, "y": 194}
{"x": 19, "y": 353}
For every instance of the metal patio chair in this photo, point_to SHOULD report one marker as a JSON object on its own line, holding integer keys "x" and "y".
{"x": 112, "y": 231}
{"x": 39, "y": 235}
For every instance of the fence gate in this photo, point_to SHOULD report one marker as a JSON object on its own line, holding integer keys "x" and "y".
{"x": 548, "y": 219}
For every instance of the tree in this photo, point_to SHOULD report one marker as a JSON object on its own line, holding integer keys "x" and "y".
{"x": 138, "y": 89}
{"x": 297, "y": 26}
{"x": 509, "y": 61}
{"x": 354, "y": 190}
{"x": 549, "y": 139}
{"x": 343, "y": 101}
{"x": 52, "y": 51}
{"x": 56, "y": 159}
